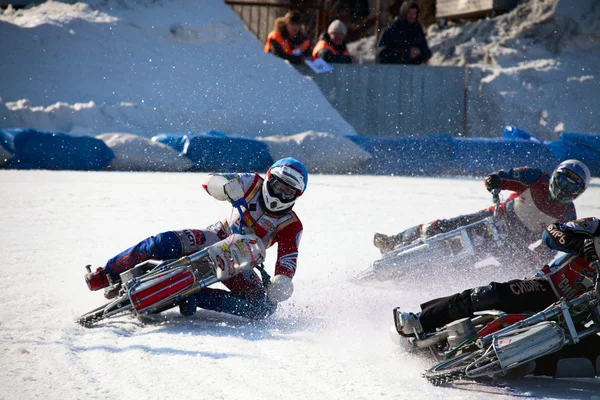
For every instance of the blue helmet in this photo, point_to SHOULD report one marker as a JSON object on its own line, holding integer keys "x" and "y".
{"x": 569, "y": 180}
{"x": 286, "y": 181}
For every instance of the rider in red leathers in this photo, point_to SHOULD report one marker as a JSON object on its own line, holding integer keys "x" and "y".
{"x": 539, "y": 199}
{"x": 568, "y": 276}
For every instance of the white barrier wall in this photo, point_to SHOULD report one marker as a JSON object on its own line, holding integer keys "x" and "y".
{"x": 396, "y": 100}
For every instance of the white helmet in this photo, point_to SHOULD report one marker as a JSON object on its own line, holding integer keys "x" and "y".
{"x": 569, "y": 180}
{"x": 286, "y": 181}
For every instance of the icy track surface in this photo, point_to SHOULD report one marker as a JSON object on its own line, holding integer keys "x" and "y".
{"x": 329, "y": 342}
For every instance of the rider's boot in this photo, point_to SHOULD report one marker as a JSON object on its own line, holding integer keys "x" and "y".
{"x": 96, "y": 280}
{"x": 100, "y": 279}
{"x": 386, "y": 243}
{"x": 409, "y": 324}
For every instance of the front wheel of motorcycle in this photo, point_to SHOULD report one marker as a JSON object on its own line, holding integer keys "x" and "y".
{"x": 452, "y": 369}
{"x": 117, "y": 306}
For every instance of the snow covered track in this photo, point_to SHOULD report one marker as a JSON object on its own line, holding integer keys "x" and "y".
{"x": 330, "y": 341}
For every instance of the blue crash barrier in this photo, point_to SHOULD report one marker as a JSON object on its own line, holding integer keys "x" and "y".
{"x": 59, "y": 151}
{"x": 7, "y": 139}
{"x": 591, "y": 142}
{"x": 177, "y": 141}
{"x": 479, "y": 157}
{"x": 512, "y": 132}
{"x": 217, "y": 151}
{"x": 565, "y": 149}
{"x": 425, "y": 155}
{"x": 418, "y": 156}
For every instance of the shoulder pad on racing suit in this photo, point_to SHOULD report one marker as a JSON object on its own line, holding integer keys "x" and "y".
{"x": 569, "y": 236}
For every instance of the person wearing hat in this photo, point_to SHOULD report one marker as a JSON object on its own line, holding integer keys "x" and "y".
{"x": 287, "y": 39}
{"x": 331, "y": 46}
{"x": 403, "y": 42}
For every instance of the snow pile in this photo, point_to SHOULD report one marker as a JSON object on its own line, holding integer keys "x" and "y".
{"x": 149, "y": 66}
{"x": 535, "y": 67}
{"x": 321, "y": 152}
{"x": 363, "y": 50}
{"x": 135, "y": 153}
{"x": 540, "y": 29}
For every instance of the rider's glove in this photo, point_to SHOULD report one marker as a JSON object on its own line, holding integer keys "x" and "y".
{"x": 233, "y": 190}
{"x": 591, "y": 249}
{"x": 280, "y": 289}
{"x": 493, "y": 182}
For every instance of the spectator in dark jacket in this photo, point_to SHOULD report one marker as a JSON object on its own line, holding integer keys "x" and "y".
{"x": 403, "y": 42}
{"x": 331, "y": 46}
{"x": 287, "y": 39}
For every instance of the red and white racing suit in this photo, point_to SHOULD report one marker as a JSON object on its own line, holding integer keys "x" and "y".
{"x": 285, "y": 229}
{"x": 247, "y": 294}
{"x": 569, "y": 276}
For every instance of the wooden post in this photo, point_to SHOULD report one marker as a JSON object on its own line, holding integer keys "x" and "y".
{"x": 381, "y": 22}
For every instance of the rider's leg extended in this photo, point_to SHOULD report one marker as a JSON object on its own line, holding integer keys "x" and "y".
{"x": 445, "y": 225}
{"x": 528, "y": 295}
{"x": 163, "y": 246}
{"x": 386, "y": 243}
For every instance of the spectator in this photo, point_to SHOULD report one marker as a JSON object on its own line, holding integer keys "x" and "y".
{"x": 331, "y": 46}
{"x": 287, "y": 39}
{"x": 403, "y": 42}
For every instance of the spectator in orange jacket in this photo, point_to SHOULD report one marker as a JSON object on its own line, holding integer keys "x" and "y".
{"x": 331, "y": 46}
{"x": 287, "y": 39}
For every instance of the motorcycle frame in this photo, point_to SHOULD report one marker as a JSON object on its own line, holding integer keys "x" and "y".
{"x": 564, "y": 314}
{"x": 201, "y": 281}
{"x": 419, "y": 254}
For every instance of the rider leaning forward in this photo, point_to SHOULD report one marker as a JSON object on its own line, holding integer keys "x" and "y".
{"x": 568, "y": 276}
{"x": 269, "y": 216}
{"x": 538, "y": 199}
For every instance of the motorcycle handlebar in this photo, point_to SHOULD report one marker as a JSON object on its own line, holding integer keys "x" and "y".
{"x": 496, "y": 199}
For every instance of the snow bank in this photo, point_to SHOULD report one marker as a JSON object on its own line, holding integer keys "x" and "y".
{"x": 148, "y": 67}
{"x": 535, "y": 67}
{"x": 135, "y": 153}
{"x": 320, "y": 151}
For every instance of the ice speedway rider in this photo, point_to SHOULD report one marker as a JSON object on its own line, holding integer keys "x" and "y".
{"x": 538, "y": 200}
{"x": 269, "y": 216}
{"x": 568, "y": 276}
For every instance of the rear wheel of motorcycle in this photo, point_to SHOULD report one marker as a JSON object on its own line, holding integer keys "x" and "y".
{"x": 452, "y": 369}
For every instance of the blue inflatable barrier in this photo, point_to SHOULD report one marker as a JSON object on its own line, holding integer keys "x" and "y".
{"x": 566, "y": 150}
{"x": 591, "y": 142}
{"x": 178, "y": 141}
{"x": 426, "y": 155}
{"x": 59, "y": 151}
{"x": 479, "y": 157}
{"x": 512, "y": 132}
{"x": 7, "y": 139}
{"x": 217, "y": 151}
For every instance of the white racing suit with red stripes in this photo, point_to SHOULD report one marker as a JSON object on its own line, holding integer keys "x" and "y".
{"x": 246, "y": 295}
